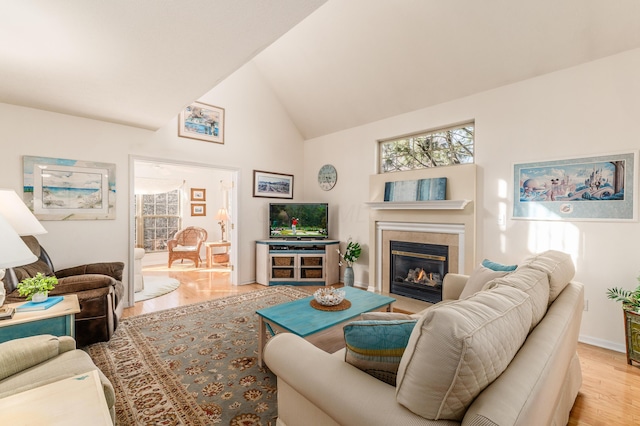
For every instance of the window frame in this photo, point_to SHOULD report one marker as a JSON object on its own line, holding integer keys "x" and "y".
{"x": 382, "y": 142}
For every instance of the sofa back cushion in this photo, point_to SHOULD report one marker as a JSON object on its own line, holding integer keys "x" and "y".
{"x": 458, "y": 348}
{"x": 533, "y": 282}
{"x": 557, "y": 265}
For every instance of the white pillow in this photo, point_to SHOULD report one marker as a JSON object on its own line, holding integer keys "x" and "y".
{"x": 558, "y": 266}
{"x": 478, "y": 279}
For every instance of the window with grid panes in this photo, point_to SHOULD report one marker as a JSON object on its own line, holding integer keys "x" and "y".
{"x": 159, "y": 219}
{"x": 443, "y": 147}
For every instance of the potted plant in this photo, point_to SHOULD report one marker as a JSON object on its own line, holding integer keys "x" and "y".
{"x": 37, "y": 288}
{"x": 351, "y": 254}
{"x": 631, "y": 308}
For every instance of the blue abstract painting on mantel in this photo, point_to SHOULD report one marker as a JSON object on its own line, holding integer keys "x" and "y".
{"x": 416, "y": 190}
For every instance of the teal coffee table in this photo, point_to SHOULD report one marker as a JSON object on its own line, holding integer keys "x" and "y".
{"x": 298, "y": 317}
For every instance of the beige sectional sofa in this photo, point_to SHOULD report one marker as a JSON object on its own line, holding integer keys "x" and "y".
{"x": 35, "y": 361}
{"x": 503, "y": 355}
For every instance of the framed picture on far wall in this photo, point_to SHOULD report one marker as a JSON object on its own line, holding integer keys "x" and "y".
{"x": 599, "y": 188}
{"x": 203, "y": 122}
{"x": 272, "y": 185}
{"x": 198, "y": 194}
{"x": 198, "y": 209}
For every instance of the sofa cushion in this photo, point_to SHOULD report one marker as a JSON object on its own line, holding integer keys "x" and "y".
{"x": 494, "y": 266}
{"x": 458, "y": 348}
{"x": 376, "y": 347}
{"x": 533, "y": 282}
{"x": 478, "y": 279}
{"x": 557, "y": 265}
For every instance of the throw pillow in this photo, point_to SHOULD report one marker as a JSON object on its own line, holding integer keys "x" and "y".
{"x": 478, "y": 279}
{"x": 494, "y": 266}
{"x": 376, "y": 347}
{"x": 457, "y": 349}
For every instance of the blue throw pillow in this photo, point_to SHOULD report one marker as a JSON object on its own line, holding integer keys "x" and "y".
{"x": 376, "y": 347}
{"x": 498, "y": 267}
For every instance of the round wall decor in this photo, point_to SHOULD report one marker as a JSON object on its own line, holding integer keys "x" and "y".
{"x": 327, "y": 177}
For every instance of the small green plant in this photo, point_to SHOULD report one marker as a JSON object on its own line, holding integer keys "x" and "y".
{"x": 38, "y": 284}
{"x": 351, "y": 254}
{"x": 630, "y": 299}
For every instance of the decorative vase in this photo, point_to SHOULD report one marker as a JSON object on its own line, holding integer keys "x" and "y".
{"x": 348, "y": 276}
{"x": 40, "y": 297}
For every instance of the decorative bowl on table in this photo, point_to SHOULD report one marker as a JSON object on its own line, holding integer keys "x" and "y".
{"x": 329, "y": 296}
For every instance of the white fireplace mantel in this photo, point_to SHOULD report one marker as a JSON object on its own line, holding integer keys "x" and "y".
{"x": 419, "y": 205}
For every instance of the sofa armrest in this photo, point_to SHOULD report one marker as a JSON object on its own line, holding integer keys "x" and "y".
{"x": 346, "y": 394}
{"x": 20, "y": 354}
{"x": 78, "y": 283}
{"x": 112, "y": 269}
{"x": 452, "y": 286}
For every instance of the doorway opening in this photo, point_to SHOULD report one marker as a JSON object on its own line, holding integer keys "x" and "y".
{"x": 167, "y": 196}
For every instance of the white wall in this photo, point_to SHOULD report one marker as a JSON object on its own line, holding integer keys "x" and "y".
{"x": 587, "y": 110}
{"x": 259, "y": 135}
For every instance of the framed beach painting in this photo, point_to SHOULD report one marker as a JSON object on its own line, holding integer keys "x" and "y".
{"x": 599, "y": 188}
{"x": 203, "y": 122}
{"x": 62, "y": 189}
{"x": 272, "y": 185}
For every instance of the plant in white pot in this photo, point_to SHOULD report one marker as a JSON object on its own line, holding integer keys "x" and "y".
{"x": 349, "y": 257}
{"x": 37, "y": 288}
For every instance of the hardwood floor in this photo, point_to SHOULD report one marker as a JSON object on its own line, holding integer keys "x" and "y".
{"x": 610, "y": 392}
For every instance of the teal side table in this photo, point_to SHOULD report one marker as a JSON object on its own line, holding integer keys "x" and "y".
{"x": 58, "y": 320}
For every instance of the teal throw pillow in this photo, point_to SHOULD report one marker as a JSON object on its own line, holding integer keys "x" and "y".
{"x": 376, "y": 347}
{"x": 498, "y": 267}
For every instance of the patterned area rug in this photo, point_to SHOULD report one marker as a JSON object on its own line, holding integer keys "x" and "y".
{"x": 193, "y": 365}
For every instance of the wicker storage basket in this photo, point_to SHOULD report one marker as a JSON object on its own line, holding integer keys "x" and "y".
{"x": 283, "y": 261}
{"x": 282, "y": 273}
{"x": 311, "y": 261}
{"x": 221, "y": 258}
{"x": 312, "y": 273}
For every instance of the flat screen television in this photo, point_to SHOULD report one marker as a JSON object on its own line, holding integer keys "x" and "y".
{"x": 298, "y": 220}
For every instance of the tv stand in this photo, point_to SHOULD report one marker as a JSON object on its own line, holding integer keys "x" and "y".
{"x": 297, "y": 262}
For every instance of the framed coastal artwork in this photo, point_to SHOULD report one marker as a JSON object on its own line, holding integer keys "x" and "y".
{"x": 203, "y": 122}
{"x": 272, "y": 185}
{"x": 599, "y": 188}
{"x": 62, "y": 189}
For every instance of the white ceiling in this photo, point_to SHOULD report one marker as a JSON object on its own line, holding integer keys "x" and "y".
{"x": 135, "y": 62}
{"x": 139, "y": 62}
{"x": 358, "y": 61}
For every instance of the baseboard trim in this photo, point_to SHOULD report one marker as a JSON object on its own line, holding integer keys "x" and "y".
{"x": 606, "y": 344}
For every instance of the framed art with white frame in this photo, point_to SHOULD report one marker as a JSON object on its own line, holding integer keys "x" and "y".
{"x": 597, "y": 188}
{"x": 63, "y": 189}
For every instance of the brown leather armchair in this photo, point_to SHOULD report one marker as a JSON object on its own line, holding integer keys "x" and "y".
{"x": 98, "y": 286}
{"x": 186, "y": 244}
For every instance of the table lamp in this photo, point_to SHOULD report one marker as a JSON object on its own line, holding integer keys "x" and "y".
{"x": 222, "y": 216}
{"x": 13, "y": 252}
{"x": 18, "y": 215}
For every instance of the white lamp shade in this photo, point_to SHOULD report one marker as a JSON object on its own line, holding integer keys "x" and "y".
{"x": 222, "y": 214}
{"x": 15, "y": 211}
{"x": 13, "y": 251}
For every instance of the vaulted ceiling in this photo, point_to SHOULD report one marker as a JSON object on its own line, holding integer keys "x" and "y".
{"x": 333, "y": 65}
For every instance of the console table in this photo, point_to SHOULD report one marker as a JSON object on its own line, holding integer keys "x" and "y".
{"x": 58, "y": 320}
{"x": 297, "y": 262}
